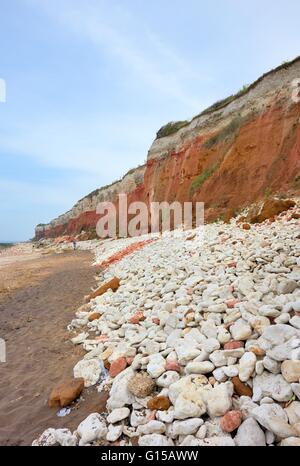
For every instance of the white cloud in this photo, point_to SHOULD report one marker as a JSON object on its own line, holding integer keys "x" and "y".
{"x": 113, "y": 30}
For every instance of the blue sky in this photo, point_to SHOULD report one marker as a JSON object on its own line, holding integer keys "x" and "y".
{"x": 89, "y": 82}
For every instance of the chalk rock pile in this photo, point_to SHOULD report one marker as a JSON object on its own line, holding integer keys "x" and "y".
{"x": 202, "y": 341}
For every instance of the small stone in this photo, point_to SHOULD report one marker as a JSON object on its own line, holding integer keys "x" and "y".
{"x": 94, "y": 316}
{"x": 141, "y": 385}
{"x": 155, "y": 440}
{"x": 152, "y": 427}
{"x": 188, "y": 427}
{"x": 117, "y": 366}
{"x": 91, "y": 429}
{"x": 118, "y": 414}
{"x": 241, "y": 388}
{"x": 291, "y": 371}
{"x": 113, "y": 285}
{"x": 137, "y": 318}
{"x": 231, "y": 303}
{"x": 273, "y": 418}
{"x": 204, "y": 367}
{"x": 246, "y": 226}
{"x": 172, "y": 366}
{"x": 167, "y": 378}
{"x": 156, "y": 365}
{"x": 250, "y": 434}
{"x": 161, "y": 403}
{"x": 272, "y": 385}
{"x": 89, "y": 370}
{"x": 246, "y": 366}
{"x": 210, "y": 345}
{"x": 233, "y": 345}
{"x": 231, "y": 421}
{"x": 240, "y": 330}
{"x": 114, "y": 432}
{"x": 218, "y": 399}
{"x": 65, "y": 392}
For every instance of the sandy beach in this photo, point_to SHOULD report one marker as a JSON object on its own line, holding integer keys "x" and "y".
{"x": 39, "y": 295}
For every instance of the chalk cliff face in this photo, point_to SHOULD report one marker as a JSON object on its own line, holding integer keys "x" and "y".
{"x": 237, "y": 152}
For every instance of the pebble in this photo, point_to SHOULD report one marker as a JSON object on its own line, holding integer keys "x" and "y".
{"x": 141, "y": 385}
{"x": 246, "y": 366}
{"x": 117, "y": 415}
{"x": 250, "y": 434}
{"x": 291, "y": 370}
{"x": 91, "y": 429}
{"x": 231, "y": 421}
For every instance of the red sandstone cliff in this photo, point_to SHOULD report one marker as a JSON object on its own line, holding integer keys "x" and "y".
{"x": 237, "y": 152}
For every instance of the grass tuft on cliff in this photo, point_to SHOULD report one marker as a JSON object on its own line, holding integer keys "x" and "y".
{"x": 171, "y": 128}
{"x": 198, "y": 182}
{"x": 230, "y": 130}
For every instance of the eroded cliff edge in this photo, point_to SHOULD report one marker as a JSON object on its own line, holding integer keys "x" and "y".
{"x": 234, "y": 153}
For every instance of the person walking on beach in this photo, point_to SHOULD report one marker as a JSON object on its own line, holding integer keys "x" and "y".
{"x": 74, "y": 243}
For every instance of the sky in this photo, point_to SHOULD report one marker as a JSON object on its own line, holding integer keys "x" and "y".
{"x": 90, "y": 82}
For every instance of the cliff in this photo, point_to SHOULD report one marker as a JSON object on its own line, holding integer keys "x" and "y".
{"x": 240, "y": 150}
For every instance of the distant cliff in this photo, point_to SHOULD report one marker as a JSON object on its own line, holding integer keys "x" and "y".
{"x": 238, "y": 151}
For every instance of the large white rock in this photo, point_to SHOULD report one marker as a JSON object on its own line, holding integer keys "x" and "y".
{"x": 272, "y": 385}
{"x": 117, "y": 415}
{"x": 166, "y": 379}
{"x": 119, "y": 395}
{"x": 247, "y": 366}
{"x": 290, "y": 442}
{"x": 89, "y": 370}
{"x": 155, "y": 440}
{"x": 273, "y": 418}
{"x": 156, "y": 365}
{"x": 152, "y": 427}
{"x": 218, "y": 400}
{"x": 240, "y": 330}
{"x": 190, "y": 426}
{"x": 91, "y": 429}
{"x": 199, "y": 367}
{"x": 250, "y": 434}
{"x": 114, "y": 432}
{"x": 185, "y": 407}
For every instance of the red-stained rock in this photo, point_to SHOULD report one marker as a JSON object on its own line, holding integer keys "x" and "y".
{"x": 246, "y": 226}
{"x": 129, "y": 360}
{"x": 152, "y": 416}
{"x": 117, "y": 366}
{"x": 172, "y": 366}
{"x": 234, "y": 344}
{"x": 232, "y": 265}
{"x": 156, "y": 320}
{"x": 65, "y": 392}
{"x": 161, "y": 403}
{"x": 137, "y": 318}
{"x": 94, "y": 316}
{"x": 231, "y": 303}
{"x": 231, "y": 421}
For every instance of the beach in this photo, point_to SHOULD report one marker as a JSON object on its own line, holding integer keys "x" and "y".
{"x": 42, "y": 292}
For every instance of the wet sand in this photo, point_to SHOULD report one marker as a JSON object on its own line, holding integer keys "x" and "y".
{"x": 43, "y": 295}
